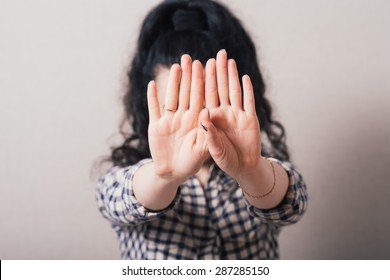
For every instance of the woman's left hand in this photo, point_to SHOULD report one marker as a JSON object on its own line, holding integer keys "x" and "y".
{"x": 233, "y": 130}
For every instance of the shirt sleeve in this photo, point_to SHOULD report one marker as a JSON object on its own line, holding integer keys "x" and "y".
{"x": 293, "y": 205}
{"x": 116, "y": 200}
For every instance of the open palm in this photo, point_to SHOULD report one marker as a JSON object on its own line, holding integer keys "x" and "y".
{"x": 233, "y": 131}
{"x": 177, "y": 145}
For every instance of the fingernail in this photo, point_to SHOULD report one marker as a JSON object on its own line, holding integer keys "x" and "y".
{"x": 205, "y": 129}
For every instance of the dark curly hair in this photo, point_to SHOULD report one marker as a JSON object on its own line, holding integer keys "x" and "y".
{"x": 199, "y": 28}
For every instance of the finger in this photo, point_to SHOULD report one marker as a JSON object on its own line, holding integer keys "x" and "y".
{"x": 197, "y": 87}
{"x": 222, "y": 78}
{"x": 235, "y": 94}
{"x": 171, "y": 97}
{"x": 201, "y": 134}
{"x": 249, "y": 98}
{"x": 153, "y": 105}
{"x": 213, "y": 138}
{"x": 211, "y": 87}
{"x": 185, "y": 83}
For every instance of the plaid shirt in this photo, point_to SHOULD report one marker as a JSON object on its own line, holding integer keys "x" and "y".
{"x": 214, "y": 222}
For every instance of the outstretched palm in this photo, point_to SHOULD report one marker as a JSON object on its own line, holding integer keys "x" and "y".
{"x": 233, "y": 135}
{"x": 176, "y": 143}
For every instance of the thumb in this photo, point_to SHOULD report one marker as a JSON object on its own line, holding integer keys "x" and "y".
{"x": 201, "y": 141}
{"x": 213, "y": 138}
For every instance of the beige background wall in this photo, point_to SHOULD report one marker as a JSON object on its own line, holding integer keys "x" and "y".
{"x": 327, "y": 66}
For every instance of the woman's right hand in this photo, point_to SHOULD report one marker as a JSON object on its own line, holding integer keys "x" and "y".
{"x": 176, "y": 138}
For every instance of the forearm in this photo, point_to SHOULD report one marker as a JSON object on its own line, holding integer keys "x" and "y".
{"x": 257, "y": 183}
{"x": 153, "y": 192}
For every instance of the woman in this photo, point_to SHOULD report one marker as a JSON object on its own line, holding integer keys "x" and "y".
{"x": 199, "y": 177}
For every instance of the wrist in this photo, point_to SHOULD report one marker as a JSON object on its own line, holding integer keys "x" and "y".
{"x": 167, "y": 179}
{"x": 259, "y": 168}
{"x": 260, "y": 174}
{"x": 151, "y": 191}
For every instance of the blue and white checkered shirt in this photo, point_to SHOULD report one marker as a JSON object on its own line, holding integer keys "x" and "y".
{"x": 214, "y": 222}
